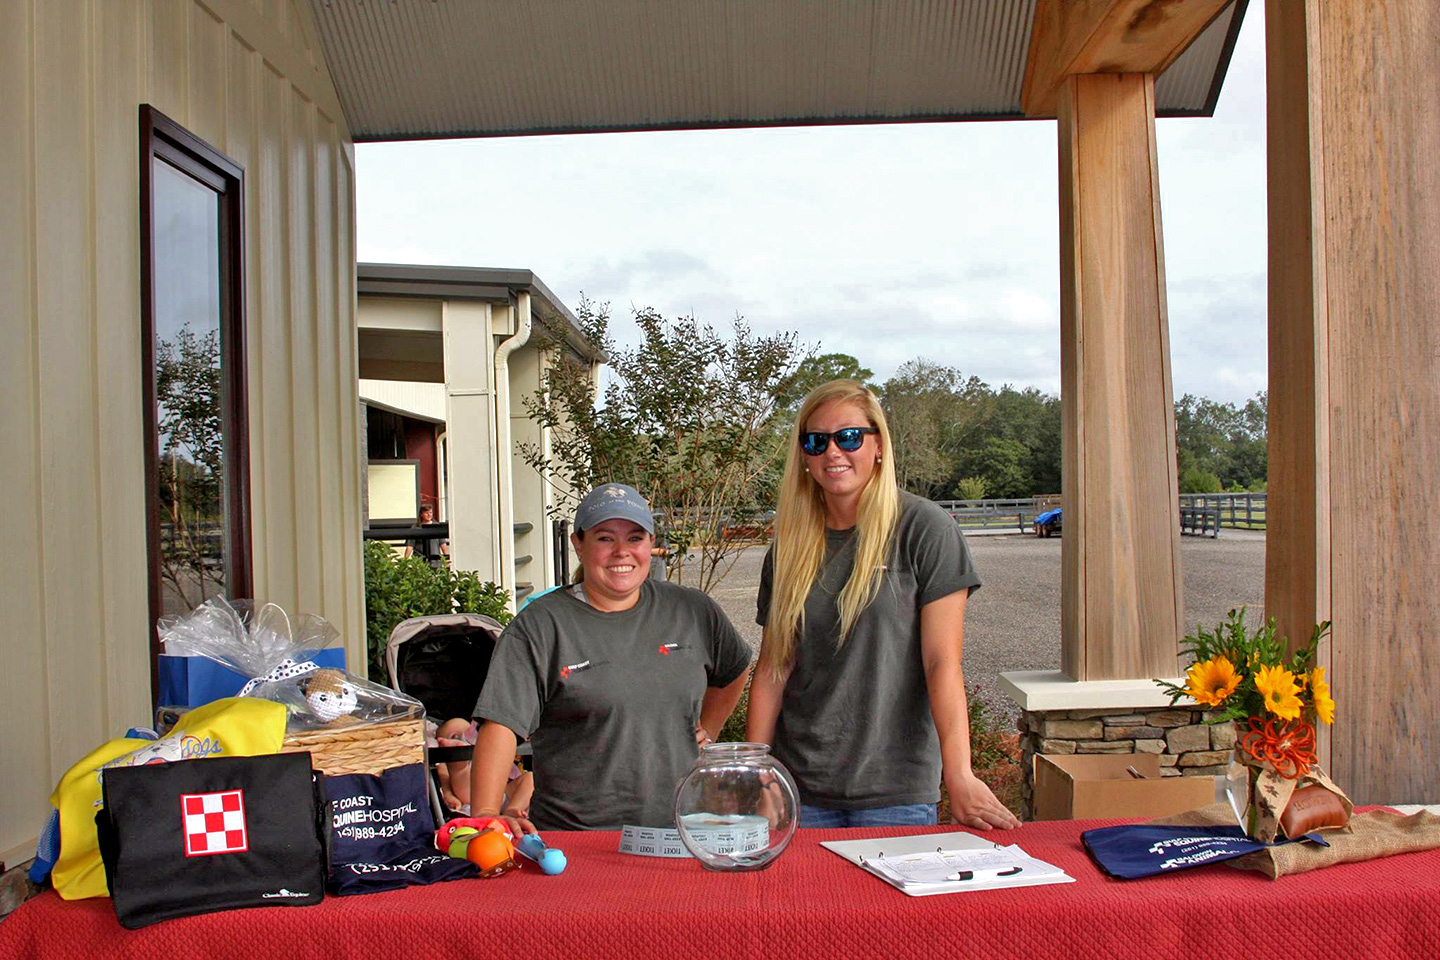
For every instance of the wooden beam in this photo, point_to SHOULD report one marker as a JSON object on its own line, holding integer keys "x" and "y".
{"x": 1297, "y": 548}
{"x": 1120, "y": 600}
{"x": 1354, "y": 228}
{"x": 1106, "y": 36}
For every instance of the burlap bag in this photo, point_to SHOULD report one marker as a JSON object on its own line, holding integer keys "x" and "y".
{"x": 1273, "y": 792}
{"x": 1369, "y": 836}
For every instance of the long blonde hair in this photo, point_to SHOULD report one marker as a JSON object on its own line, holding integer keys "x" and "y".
{"x": 800, "y": 532}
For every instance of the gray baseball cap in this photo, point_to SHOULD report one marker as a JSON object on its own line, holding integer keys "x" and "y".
{"x": 614, "y": 501}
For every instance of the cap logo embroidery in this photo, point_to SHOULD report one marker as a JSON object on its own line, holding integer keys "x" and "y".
{"x": 214, "y": 823}
{"x": 615, "y": 492}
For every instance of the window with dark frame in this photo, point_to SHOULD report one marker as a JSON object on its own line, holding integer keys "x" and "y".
{"x": 192, "y": 309}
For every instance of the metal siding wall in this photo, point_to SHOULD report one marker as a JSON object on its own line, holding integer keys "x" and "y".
{"x": 272, "y": 481}
{"x": 328, "y": 378}
{"x": 74, "y": 604}
{"x": 351, "y": 435}
{"x": 26, "y": 747}
{"x": 73, "y": 689}
{"x": 118, "y": 41}
{"x": 304, "y": 472}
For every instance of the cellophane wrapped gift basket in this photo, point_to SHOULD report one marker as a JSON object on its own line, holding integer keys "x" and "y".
{"x": 347, "y": 724}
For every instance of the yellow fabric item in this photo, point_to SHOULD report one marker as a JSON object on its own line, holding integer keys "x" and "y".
{"x": 233, "y": 727}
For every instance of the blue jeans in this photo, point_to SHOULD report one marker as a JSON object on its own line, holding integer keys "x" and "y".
{"x": 904, "y": 815}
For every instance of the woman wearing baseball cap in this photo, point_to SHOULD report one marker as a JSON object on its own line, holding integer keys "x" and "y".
{"x": 613, "y": 680}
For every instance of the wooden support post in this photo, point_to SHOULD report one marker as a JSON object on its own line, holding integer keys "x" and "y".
{"x": 1354, "y": 225}
{"x": 1121, "y": 606}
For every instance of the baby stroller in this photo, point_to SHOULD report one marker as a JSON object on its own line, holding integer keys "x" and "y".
{"x": 442, "y": 662}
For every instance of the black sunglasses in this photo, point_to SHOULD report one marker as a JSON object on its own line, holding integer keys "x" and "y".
{"x": 846, "y": 438}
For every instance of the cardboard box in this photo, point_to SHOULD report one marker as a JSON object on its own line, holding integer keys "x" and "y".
{"x": 195, "y": 681}
{"x": 1097, "y": 786}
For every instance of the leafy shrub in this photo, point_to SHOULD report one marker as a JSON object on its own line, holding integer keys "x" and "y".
{"x": 1195, "y": 480}
{"x": 971, "y": 488}
{"x": 987, "y": 743}
{"x": 398, "y": 588}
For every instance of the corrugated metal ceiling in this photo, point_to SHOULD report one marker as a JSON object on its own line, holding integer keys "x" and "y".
{"x": 414, "y": 69}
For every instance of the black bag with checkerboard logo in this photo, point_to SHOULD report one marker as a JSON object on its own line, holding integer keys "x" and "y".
{"x": 220, "y": 833}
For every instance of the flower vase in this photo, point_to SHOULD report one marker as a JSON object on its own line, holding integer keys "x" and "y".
{"x": 1252, "y": 808}
{"x": 1242, "y": 786}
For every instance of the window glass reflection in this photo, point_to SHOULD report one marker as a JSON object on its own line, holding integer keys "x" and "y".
{"x": 189, "y": 390}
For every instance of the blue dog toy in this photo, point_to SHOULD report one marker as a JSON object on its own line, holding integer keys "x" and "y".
{"x": 550, "y": 860}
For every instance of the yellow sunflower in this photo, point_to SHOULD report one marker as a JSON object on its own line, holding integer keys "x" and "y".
{"x": 1324, "y": 705}
{"x": 1210, "y": 682}
{"x": 1276, "y": 686}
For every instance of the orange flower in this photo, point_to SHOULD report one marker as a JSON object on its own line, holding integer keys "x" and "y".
{"x": 1209, "y": 683}
{"x": 1289, "y": 748}
{"x": 1276, "y": 686}
{"x": 1324, "y": 705}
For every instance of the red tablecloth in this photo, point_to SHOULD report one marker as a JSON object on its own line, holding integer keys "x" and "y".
{"x": 808, "y": 904}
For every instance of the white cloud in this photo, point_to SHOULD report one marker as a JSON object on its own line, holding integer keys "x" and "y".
{"x": 886, "y": 242}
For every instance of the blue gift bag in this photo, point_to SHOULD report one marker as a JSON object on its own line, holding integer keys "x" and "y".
{"x": 195, "y": 681}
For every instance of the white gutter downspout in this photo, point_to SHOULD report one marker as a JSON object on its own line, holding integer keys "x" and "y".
{"x": 502, "y": 443}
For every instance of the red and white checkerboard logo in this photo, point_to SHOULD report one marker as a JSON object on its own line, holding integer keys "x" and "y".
{"x": 214, "y": 823}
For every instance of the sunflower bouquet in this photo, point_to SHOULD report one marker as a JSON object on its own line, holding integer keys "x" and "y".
{"x": 1246, "y": 678}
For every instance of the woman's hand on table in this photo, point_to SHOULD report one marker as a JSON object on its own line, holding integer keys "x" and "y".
{"x": 973, "y": 805}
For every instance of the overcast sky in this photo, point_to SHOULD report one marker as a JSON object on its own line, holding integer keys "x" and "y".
{"x": 886, "y": 242}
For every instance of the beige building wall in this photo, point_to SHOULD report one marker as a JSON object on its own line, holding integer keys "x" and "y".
{"x": 246, "y": 76}
{"x": 396, "y": 341}
{"x": 472, "y": 492}
{"x": 527, "y": 484}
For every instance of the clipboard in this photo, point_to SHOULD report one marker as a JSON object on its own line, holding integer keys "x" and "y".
{"x": 866, "y": 853}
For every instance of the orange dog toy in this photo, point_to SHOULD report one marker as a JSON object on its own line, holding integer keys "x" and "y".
{"x": 485, "y": 842}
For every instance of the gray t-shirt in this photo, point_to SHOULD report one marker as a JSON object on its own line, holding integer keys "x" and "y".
{"x": 610, "y": 700}
{"x": 855, "y": 727}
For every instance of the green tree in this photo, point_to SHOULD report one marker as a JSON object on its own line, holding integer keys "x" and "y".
{"x": 688, "y": 419}
{"x": 1222, "y": 440}
{"x": 1004, "y": 465}
{"x": 1026, "y": 417}
{"x": 813, "y": 371}
{"x": 191, "y": 465}
{"x": 929, "y": 408}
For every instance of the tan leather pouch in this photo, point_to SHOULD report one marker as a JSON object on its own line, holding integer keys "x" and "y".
{"x": 1312, "y": 808}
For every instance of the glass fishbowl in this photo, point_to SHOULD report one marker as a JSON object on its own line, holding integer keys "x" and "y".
{"x": 736, "y": 808}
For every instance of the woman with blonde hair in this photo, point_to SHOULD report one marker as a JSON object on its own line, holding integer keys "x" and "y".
{"x": 862, "y": 599}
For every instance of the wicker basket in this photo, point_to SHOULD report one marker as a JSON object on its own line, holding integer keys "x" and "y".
{"x": 363, "y": 747}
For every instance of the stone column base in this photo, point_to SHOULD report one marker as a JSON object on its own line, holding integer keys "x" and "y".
{"x": 1064, "y": 716}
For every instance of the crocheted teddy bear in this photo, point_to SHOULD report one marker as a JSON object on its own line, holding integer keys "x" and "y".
{"x": 330, "y": 695}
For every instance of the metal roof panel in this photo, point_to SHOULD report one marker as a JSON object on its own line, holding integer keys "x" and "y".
{"x": 416, "y": 69}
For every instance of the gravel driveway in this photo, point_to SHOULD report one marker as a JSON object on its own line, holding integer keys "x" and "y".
{"x": 1013, "y": 623}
